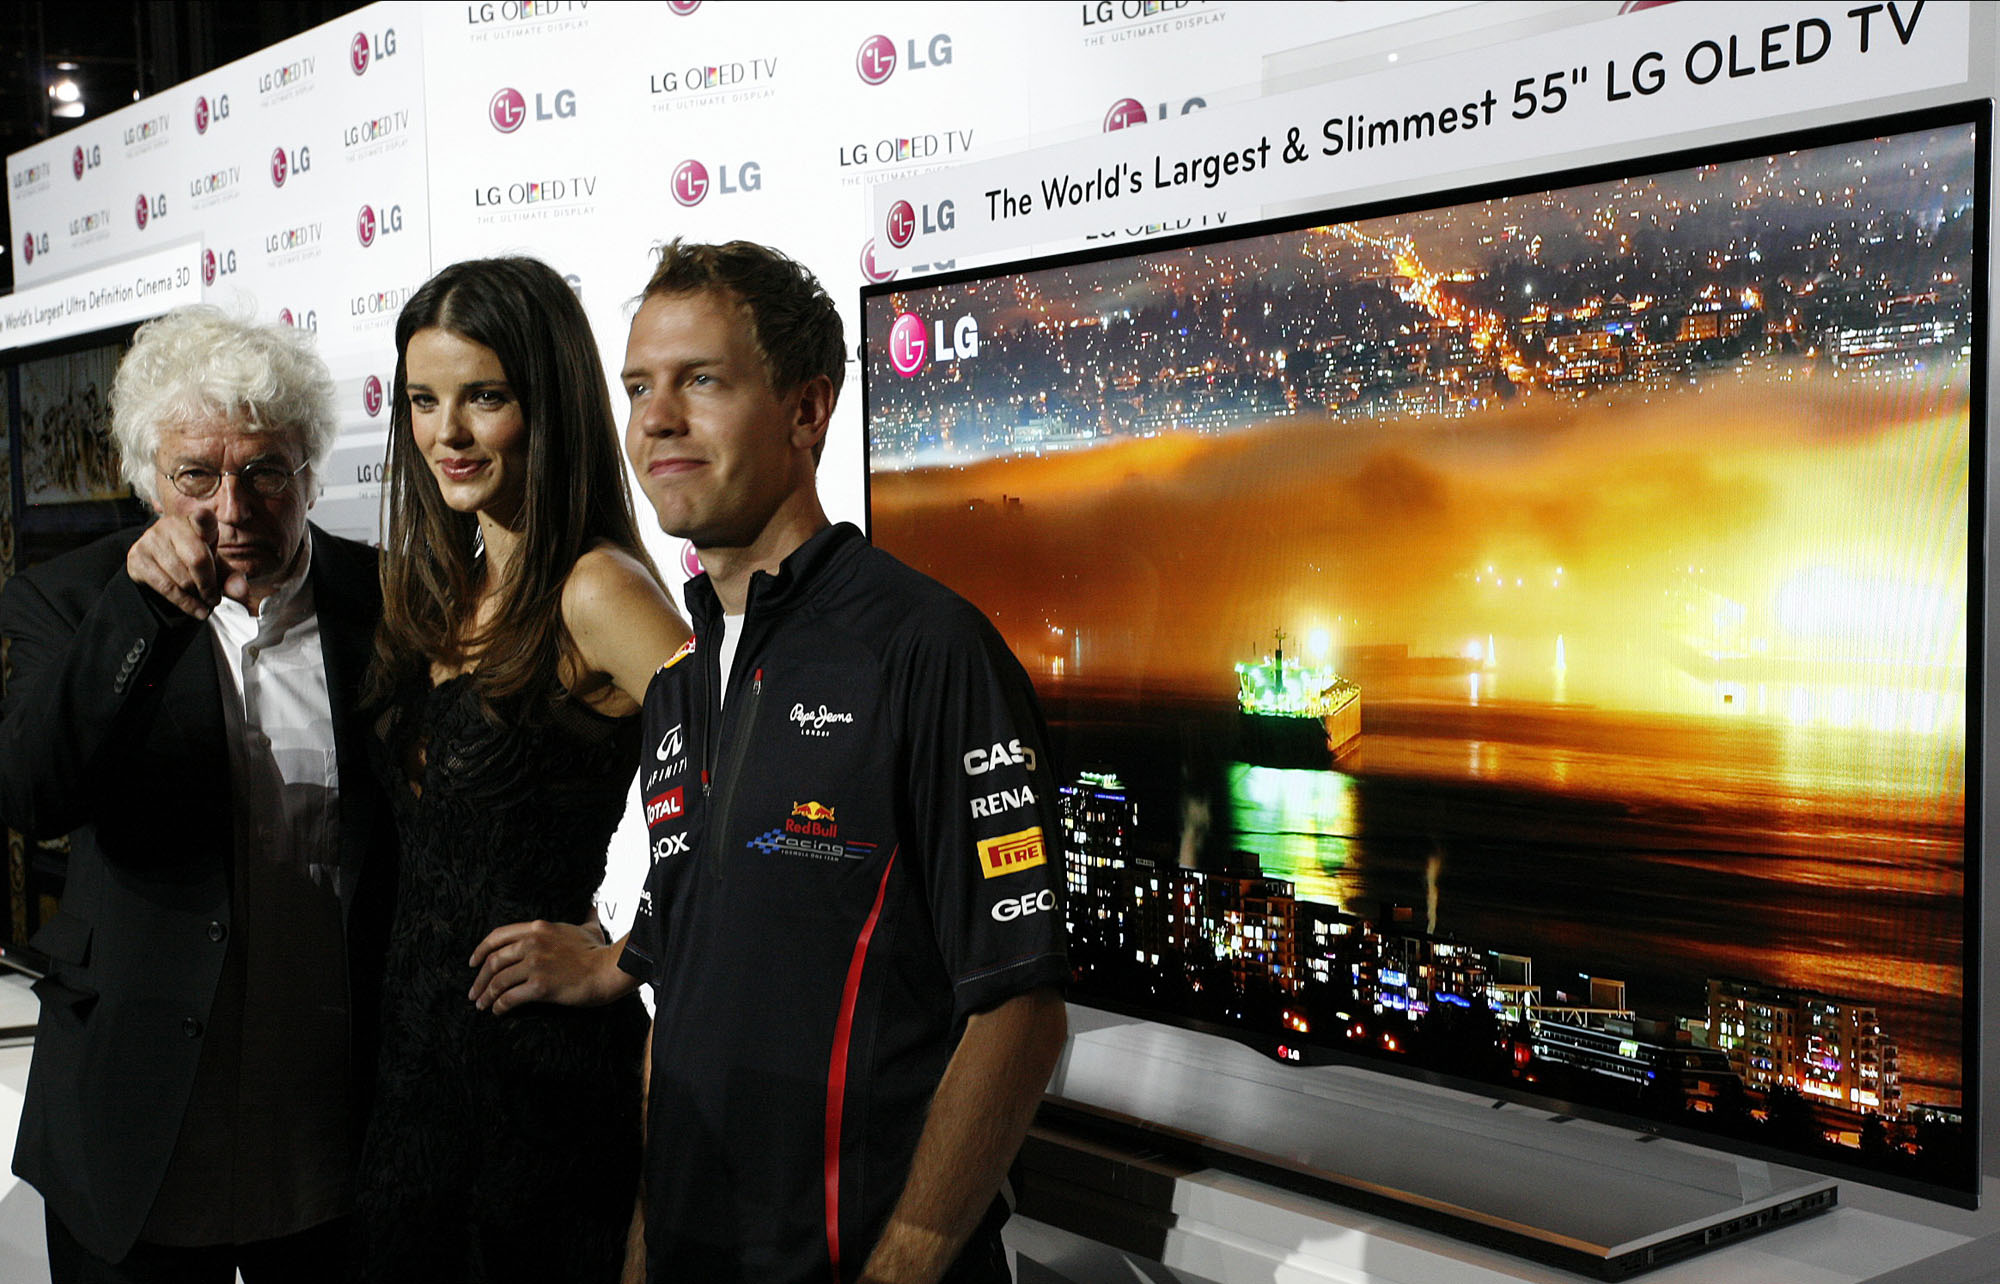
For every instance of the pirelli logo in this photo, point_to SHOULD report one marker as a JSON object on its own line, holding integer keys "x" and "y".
{"x": 1011, "y": 852}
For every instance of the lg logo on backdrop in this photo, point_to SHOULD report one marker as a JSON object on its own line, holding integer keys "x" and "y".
{"x": 284, "y": 164}
{"x": 362, "y": 50}
{"x": 215, "y": 265}
{"x": 876, "y": 60}
{"x": 691, "y": 183}
{"x": 207, "y": 113}
{"x": 508, "y": 109}
{"x": 370, "y": 223}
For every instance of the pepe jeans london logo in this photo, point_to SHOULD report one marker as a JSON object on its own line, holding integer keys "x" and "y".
{"x": 815, "y": 722}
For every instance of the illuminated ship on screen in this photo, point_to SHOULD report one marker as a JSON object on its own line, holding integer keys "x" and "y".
{"x": 1293, "y": 714}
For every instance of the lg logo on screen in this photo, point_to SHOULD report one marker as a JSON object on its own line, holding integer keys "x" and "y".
{"x": 910, "y": 349}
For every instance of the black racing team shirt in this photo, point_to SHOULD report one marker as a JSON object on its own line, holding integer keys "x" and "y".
{"x": 862, "y": 851}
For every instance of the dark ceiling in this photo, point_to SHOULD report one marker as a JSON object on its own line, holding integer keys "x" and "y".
{"x": 121, "y": 52}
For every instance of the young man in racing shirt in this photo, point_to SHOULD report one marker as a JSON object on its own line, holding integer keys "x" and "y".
{"x": 853, "y": 919}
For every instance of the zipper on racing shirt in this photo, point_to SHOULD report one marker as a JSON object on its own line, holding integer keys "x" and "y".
{"x": 718, "y": 819}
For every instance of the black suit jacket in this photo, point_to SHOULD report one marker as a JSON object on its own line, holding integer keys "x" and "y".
{"x": 112, "y": 731}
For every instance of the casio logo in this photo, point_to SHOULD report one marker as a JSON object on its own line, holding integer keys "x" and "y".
{"x": 980, "y": 761}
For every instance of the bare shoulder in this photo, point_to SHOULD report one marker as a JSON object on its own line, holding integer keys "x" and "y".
{"x": 605, "y": 581}
{"x": 620, "y": 618}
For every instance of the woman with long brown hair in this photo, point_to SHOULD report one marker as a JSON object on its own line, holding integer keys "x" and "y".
{"x": 521, "y": 623}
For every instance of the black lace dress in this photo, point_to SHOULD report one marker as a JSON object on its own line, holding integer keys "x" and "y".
{"x": 500, "y": 1147}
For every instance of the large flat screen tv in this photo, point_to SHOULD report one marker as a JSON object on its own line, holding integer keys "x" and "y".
{"x": 1530, "y": 636}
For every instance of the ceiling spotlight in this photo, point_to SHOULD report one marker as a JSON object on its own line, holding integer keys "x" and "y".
{"x": 66, "y": 110}
{"x": 66, "y": 91}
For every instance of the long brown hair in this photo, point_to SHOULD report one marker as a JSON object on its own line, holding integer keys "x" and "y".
{"x": 432, "y": 566}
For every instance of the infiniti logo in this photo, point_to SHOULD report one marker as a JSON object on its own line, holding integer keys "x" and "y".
{"x": 670, "y": 744}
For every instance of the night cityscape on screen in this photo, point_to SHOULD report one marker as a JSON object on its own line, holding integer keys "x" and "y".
{"x": 1525, "y": 639}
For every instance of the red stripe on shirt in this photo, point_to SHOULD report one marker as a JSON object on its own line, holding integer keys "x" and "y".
{"x": 836, "y": 1070}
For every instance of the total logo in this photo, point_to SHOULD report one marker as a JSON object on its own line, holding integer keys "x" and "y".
{"x": 207, "y": 113}
{"x": 307, "y": 320}
{"x": 876, "y": 60}
{"x": 371, "y": 396}
{"x": 905, "y": 220}
{"x": 1127, "y": 112}
{"x": 149, "y": 208}
{"x": 85, "y": 158}
{"x": 910, "y": 350}
{"x": 691, "y": 183}
{"x": 364, "y": 49}
{"x": 284, "y": 164}
{"x": 214, "y": 266}
{"x": 509, "y": 108}
{"x": 373, "y": 222}
{"x": 666, "y": 806}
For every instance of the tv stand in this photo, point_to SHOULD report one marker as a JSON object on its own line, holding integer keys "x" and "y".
{"x": 1146, "y": 1125}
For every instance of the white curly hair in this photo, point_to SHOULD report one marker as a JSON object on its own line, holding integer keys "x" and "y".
{"x": 198, "y": 363}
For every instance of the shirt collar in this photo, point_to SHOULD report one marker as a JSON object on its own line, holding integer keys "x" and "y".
{"x": 289, "y": 603}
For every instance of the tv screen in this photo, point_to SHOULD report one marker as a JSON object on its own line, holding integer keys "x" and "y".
{"x": 1528, "y": 636}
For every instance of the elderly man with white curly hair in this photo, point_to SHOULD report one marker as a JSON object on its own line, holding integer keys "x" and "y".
{"x": 182, "y": 704}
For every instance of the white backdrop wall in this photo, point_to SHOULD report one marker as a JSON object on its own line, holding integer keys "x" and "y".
{"x": 322, "y": 180}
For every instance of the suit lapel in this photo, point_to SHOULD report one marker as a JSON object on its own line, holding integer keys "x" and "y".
{"x": 347, "y": 597}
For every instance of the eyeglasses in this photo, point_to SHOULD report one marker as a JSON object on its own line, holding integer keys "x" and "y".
{"x": 268, "y": 480}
